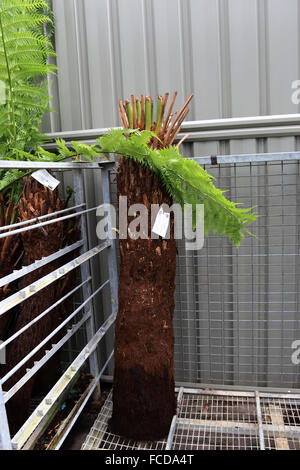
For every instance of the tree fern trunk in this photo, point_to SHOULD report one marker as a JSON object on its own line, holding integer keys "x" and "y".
{"x": 143, "y": 396}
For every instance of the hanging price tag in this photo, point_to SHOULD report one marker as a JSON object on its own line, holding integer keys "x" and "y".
{"x": 44, "y": 177}
{"x": 161, "y": 223}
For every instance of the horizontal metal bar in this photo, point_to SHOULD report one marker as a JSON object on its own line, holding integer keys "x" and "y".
{"x": 80, "y": 134}
{"x": 65, "y": 165}
{"x": 48, "y": 222}
{"x": 41, "y": 217}
{"x": 41, "y": 315}
{"x": 84, "y": 402}
{"x": 244, "y": 133}
{"x": 230, "y": 134}
{"x": 230, "y": 393}
{"x": 242, "y": 122}
{"x": 259, "y": 157}
{"x": 234, "y": 427}
{"x": 53, "y": 333}
{"x": 249, "y": 158}
{"x": 38, "y": 264}
{"x": 45, "y": 281}
{"x": 59, "y": 388}
{"x": 273, "y": 121}
{"x": 242, "y": 392}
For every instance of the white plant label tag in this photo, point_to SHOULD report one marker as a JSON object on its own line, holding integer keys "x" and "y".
{"x": 2, "y": 355}
{"x": 161, "y": 223}
{"x": 44, "y": 177}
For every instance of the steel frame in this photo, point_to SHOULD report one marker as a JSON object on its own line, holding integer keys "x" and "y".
{"x": 36, "y": 423}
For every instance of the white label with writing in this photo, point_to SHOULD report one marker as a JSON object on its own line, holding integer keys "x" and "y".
{"x": 44, "y": 177}
{"x": 2, "y": 355}
{"x": 161, "y": 223}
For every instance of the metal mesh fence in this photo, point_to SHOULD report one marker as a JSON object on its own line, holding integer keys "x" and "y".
{"x": 237, "y": 310}
{"x": 214, "y": 420}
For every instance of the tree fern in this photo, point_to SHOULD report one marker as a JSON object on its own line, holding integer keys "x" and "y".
{"x": 25, "y": 46}
{"x": 185, "y": 180}
{"x": 23, "y": 53}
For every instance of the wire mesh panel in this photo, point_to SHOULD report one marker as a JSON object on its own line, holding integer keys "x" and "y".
{"x": 214, "y": 420}
{"x": 237, "y": 309}
{"x": 100, "y": 437}
{"x": 282, "y": 420}
{"x": 209, "y": 422}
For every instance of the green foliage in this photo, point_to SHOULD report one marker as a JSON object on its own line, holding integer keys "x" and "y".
{"x": 185, "y": 180}
{"x": 25, "y": 47}
{"x": 23, "y": 64}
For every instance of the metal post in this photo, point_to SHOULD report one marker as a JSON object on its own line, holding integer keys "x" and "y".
{"x": 111, "y": 251}
{"x": 5, "y": 442}
{"x": 79, "y": 197}
{"x": 260, "y": 423}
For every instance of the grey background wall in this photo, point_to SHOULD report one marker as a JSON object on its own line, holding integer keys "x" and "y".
{"x": 237, "y": 311}
{"x": 239, "y": 57}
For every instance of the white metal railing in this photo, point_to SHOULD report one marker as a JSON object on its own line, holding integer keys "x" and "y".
{"x": 39, "y": 419}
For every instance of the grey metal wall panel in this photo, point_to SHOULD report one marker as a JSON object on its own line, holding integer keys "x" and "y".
{"x": 239, "y": 57}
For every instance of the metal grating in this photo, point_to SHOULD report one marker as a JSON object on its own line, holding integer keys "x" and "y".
{"x": 100, "y": 438}
{"x": 282, "y": 420}
{"x": 215, "y": 420}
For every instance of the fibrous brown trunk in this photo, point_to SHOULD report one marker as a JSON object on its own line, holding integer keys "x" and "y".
{"x": 10, "y": 257}
{"x": 144, "y": 394}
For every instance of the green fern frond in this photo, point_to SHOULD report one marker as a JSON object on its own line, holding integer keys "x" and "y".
{"x": 9, "y": 6}
{"x": 185, "y": 180}
{"x": 63, "y": 149}
{"x": 23, "y": 60}
{"x": 24, "y": 52}
{"x": 10, "y": 177}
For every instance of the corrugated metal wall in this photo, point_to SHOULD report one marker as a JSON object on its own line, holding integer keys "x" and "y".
{"x": 239, "y": 58}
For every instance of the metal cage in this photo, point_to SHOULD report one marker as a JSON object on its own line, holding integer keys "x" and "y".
{"x": 236, "y": 318}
